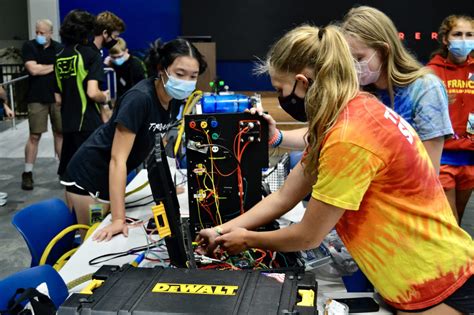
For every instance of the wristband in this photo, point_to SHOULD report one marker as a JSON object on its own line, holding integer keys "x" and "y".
{"x": 276, "y": 139}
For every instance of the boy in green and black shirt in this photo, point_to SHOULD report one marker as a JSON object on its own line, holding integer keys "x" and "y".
{"x": 78, "y": 71}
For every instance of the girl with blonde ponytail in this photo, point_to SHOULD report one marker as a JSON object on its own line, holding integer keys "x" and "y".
{"x": 369, "y": 175}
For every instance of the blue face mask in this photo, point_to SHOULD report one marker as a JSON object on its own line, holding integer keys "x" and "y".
{"x": 40, "y": 39}
{"x": 460, "y": 48}
{"x": 119, "y": 61}
{"x": 177, "y": 88}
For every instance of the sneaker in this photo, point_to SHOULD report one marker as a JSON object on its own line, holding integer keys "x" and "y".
{"x": 27, "y": 181}
{"x": 3, "y": 195}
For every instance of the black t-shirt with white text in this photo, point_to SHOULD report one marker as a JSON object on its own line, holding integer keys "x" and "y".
{"x": 140, "y": 111}
{"x": 40, "y": 87}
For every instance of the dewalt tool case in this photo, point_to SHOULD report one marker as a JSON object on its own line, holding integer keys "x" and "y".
{"x": 143, "y": 291}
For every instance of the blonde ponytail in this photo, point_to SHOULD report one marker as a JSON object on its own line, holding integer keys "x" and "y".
{"x": 327, "y": 53}
{"x": 335, "y": 84}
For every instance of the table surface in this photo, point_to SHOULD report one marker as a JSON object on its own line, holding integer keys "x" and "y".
{"x": 78, "y": 265}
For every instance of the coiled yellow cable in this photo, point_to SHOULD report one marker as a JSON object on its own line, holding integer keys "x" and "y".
{"x": 190, "y": 103}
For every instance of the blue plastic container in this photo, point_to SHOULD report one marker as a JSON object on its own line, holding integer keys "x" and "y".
{"x": 232, "y": 103}
{"x": 357, "y": 282}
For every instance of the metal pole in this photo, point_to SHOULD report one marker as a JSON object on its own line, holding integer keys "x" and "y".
{"x": 12, "y": 104}
{"x": 114, "y": 76}
{"x": 108, "y": 83}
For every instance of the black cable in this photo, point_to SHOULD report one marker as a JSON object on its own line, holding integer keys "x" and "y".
{"x": 140, "y": 205}
{"x": 269, "y": 173}
{"x": 110, "y": 256}
{"x": 139, "y": 199}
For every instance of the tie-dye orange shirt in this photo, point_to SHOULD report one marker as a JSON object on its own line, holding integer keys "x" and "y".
{"x": 399, "y": 227}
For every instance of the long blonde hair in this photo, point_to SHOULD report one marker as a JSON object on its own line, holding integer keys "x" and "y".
{"x": 377, "y": 31}
{"x": 327, "y": 53}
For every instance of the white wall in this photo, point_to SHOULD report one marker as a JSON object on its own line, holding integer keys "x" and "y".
{"x": 43, "y": 9}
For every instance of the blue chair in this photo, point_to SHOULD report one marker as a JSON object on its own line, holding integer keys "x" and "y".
{"x": 39, "y": 223}
{"x": 131, "y": 175}
{"x": 31, "y": 278}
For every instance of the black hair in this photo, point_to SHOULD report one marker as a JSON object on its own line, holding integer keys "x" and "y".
{"x": 161, "y": 56}
{"x": 77, "y": 27}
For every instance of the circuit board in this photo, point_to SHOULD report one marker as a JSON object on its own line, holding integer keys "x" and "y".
{"x": 225, "y": 155}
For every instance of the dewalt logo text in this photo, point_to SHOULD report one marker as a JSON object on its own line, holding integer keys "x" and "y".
{"x": 182, "y": 288}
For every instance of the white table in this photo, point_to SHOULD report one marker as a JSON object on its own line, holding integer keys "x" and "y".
{"x": 78, "y": 264}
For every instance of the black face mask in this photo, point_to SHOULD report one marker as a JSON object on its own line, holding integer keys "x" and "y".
{"x": 111, "y": 43}
{"x": 294, "y": 105}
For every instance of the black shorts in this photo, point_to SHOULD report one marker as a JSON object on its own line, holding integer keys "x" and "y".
{"x": 72, "y": 187}
{"x": 76, "y": 190}
{"x": 71, "y": 143}
{"x": 461, "y": 300}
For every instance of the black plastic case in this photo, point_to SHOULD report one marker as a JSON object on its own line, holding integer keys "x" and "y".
{"x": 129, "y": 290}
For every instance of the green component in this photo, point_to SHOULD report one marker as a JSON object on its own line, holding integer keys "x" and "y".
{"x": 211, "y": 84}
{"x": 221, "y": 83}
{"x": 215, "y": 136}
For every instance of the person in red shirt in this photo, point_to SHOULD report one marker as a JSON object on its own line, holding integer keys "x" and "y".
{"x": 454, "y": 65}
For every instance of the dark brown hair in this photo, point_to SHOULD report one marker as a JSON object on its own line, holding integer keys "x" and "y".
{"x": 109, "y": 22}
{"x": 446, "y": 26}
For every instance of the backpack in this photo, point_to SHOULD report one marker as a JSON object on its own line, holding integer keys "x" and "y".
{"x": 41, "y": 303}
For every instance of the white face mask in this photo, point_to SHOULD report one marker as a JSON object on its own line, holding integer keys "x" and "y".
{"x": 365, "y": 75}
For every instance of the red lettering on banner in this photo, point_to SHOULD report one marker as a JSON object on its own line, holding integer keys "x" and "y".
{"x": 417, "y": 35}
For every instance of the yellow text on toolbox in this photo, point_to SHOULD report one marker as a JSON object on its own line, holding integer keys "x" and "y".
{"x": 182, "y": 288}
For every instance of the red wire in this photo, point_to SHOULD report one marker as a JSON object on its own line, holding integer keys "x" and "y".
{"x": 238, "y": 154}
{"x": 264, "y": 254}
{"x": 202, "y": 204}
{"x": 210, "y": 213}
{"x": 242, "y": 152}
{"x": 224, "y": 175}
{"x": 223, "y": 265}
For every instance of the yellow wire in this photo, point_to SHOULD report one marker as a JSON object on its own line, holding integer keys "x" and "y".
{"x": 190, "y": 103}
{"x": 199, "y": 215}
{"x": 74, "y": 283}
{"x": 204, "y": 181}
{"x": 91, "y": 230}
{"x": 55, "y": 239}
{"x": 216, "y": 198}
{"x": 136, "y": 189}
{"x": 62, "y": 260}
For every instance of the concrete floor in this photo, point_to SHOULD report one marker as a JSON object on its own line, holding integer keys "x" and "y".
{"x": 14, "y": 254}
